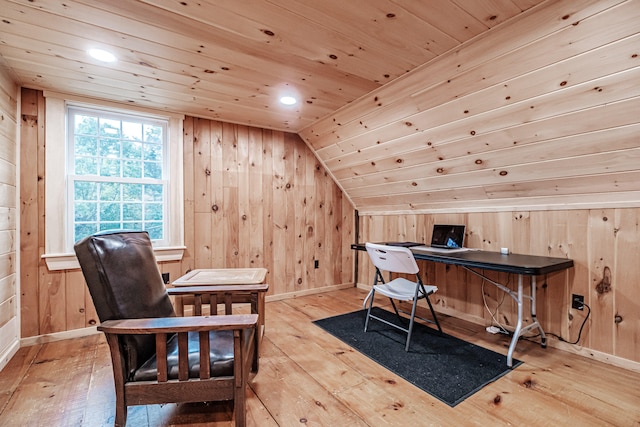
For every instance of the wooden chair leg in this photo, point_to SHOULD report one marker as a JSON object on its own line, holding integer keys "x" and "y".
{"x": 240, "y": 407}
{"x": 118, "y": 379}
{"x": 240, "y": 370}
{"x": 121, "y": 412}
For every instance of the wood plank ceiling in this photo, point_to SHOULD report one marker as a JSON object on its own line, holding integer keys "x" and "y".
{"x": 411, "y": 105}
{"x": 229, "y": 59}
{"x": 541, "y": 113}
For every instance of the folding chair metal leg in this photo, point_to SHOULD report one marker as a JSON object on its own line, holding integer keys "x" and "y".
{"x": 366, "y": 322}
{"x": 410, "y": 330}
{"x": 366, "y": 299}
{"x": 371, "y": 295}
{"x": 426, "y": 296}
{"x": 433, "y": 313}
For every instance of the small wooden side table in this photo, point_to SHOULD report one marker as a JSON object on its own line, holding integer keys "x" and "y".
{"x": 223, "y": 276}
{"x": 236, "y": 285}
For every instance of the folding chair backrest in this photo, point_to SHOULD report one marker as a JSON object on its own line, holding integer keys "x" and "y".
{"x": 396, "y": 259}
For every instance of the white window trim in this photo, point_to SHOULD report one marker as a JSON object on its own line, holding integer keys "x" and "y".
{"x": 57, "y": 256}
{"x": 134, "y": 116}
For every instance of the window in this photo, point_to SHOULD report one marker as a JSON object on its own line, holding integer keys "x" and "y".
{"x": 119, "y": 169}
{"x": 117, "y": 173}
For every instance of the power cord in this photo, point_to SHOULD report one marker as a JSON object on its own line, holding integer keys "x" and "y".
{"x": 501, "y": 328}
{"x": 562, "y": 339}
{"x": 505, "y": 331}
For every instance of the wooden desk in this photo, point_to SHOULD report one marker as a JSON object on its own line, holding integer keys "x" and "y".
{"x": 522, "y": 265}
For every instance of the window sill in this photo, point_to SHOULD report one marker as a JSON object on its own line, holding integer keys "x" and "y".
{"x": 56, "y": 262}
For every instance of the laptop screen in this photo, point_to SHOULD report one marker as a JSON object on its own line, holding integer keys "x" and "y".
{"x": 447, "y": 236}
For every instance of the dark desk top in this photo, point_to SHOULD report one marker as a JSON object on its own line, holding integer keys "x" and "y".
{"x": 512, "y": 263}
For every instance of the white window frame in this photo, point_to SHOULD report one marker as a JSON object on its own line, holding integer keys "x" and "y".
{"x": 58, "y": 249}
{"x": 72, "y": 177}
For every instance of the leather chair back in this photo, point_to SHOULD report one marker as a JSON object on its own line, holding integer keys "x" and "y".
{"x": 123, "y": 278}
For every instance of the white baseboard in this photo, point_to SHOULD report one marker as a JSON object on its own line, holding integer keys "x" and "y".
{"x": 297, "y": 294}
{"x": 363, "y": 287}
{"x": 595, "y": 355}
{"x": 58, "y": 336}
{"x": 8, "y": 354}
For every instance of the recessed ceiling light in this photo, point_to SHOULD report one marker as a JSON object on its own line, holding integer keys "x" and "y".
{"x": 102, "y": 55}
{"x": 288, "y": 100}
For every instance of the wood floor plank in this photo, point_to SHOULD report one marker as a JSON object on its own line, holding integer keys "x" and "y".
{"x": 317, "y": 353}
{"x": 309, "y": 377}
{"x": 379, "y": 397}
{"x": 54, "y": 387}
{"x": 14, "y": 372}
{"x": 522, "y": 398}
{"x": 101, "y": 398}
{"x": 294, "y": 397}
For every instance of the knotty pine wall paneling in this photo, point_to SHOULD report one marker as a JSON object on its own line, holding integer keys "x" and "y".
{"x": 602, "y": 243}
{"x": 51, "y": 301}
{"x": 624, "y": 285}
{"x": 260, "y": 198}
{"x": 9, "y": 321}
{"x": 601, "y": 261}
{"x": 252, "y": 197}
{"x": 31, "y": 208}
{"x": 539, "y": 113}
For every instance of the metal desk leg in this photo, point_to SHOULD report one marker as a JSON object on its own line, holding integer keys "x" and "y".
{"x": 518, "y": 297}
{"x": 517, "y": 331}
{"x": 543, "y": 337}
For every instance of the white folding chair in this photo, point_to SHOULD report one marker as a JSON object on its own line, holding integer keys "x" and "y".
{"x": 396, "y": 259}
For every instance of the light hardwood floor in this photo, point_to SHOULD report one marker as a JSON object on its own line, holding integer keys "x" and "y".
{"x": 309, "y": 378}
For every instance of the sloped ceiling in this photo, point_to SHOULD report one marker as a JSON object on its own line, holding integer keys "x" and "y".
{"x": 230, "y": 60}
{"x": 412, "y": 106}
{"x": 542, "y": 113}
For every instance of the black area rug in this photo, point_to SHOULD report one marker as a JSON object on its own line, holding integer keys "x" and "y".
{"x": 444, "y": 366}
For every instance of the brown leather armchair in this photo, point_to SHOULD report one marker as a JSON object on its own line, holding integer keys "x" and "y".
{"x": 156, "y": 356}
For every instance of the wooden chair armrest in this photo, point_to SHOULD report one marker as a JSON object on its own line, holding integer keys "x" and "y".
{"x": 163, "y": 327}
{"x": 169, "y": 325}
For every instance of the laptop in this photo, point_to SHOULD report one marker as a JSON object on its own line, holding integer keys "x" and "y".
{"x": 447, "y": 236}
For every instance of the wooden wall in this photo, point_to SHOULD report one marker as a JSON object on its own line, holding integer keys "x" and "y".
{"x": 253, "y": 198}
{"x": 9, "y": 322}
{"x": 256, "y": 197}
{"x": 51, "y": 301}
{"x": 260, "y": 198}
{"x": 541, "y": 112}
{"x": 602, "y": 243}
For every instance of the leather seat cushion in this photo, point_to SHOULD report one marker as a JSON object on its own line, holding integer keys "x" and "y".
{"x": 221, "y": 356}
